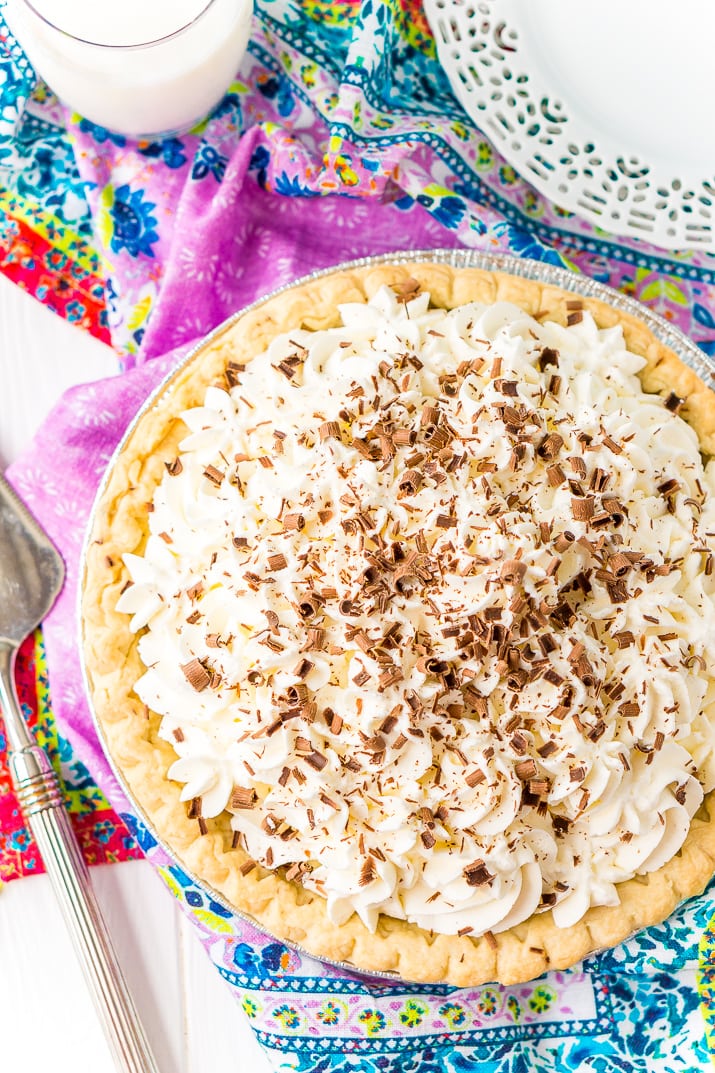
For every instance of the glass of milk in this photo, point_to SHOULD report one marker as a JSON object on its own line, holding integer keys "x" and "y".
{"x": 143, "y": 68}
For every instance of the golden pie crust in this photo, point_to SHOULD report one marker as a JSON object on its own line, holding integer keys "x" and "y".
{"x": 283, "y": 908}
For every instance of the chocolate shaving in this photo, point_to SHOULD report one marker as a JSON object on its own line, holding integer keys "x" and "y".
{"x": 547, "y": 749}
{"x": 680, "y": 793}
{"x": 362, "y": 640}
{"x": 368, "y": 872}
{"x": 583, "y": 509}
{"x": 512, "y": 571}
{"x": 547, "y": 643}
{"x": 389, "y": 677}
{"x": 516, "y": 680}
{"x": 617, "y": 592}
{"x": 287, "y": 367}
{"x": 233, "y": 372}
{"x": 477, "y": 874}
{"x": 214, "y": 475}
{"x": 619, "y": 564}
{"x": 243, "y": 797}
{"x": 293, "y": 522}
{"x": 550, "y": 446}
{"x": 612, "y": 446}
{"x": 555, "y": 475}
{"x": 564, "y": 541}
{"x": 474, "y": 778}
{"x": 519, "y": 743}
{"x": 429, "y": 416}
{"x": 336, "y": 723}
{"x": 584, "y": 671}
{"x": 669, "y": 487}
{"x": 303, "y": 668}
{"x": 615, "y": 509}
{"x": 297, "y": 694}
{"x": 329, "y": 430}
{"x": 548, "y": 356}
{"x": 599, "y": 480}
{"x": 196, "y": 674}
{"x": 410, "y": 482}
{"x": 674, "y": 403}
{"x": 271, "y": 824}
{"x": 315, "y": 639}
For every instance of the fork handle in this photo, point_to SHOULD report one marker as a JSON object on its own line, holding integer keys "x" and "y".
{"x": 40, "y": 795}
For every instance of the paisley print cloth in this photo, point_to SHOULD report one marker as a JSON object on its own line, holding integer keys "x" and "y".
{"x": 152, "y": 244}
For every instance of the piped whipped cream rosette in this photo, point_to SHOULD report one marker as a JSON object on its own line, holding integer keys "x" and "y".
{"x": 428, "y": 605}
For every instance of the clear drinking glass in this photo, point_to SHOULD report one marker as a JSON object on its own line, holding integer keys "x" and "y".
{"x": 138, "y": 67}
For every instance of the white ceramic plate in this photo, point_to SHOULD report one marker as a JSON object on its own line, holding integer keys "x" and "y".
{"x": 607, "y": 108}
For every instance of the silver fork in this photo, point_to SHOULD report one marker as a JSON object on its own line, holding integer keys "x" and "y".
{"x": 31, "y": 576}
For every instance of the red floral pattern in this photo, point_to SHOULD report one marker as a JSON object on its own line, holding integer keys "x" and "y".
{"x": 102, "y": 835}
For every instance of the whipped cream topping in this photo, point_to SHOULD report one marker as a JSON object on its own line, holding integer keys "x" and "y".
{"x": 427, "y": 600}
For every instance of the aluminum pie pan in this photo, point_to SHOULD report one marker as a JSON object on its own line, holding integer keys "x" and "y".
{"x": 688, "y": 352}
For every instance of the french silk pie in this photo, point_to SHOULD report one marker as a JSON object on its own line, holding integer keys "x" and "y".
{"x": 399, "y": 612}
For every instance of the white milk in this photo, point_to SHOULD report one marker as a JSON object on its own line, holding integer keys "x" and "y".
{"x": 101, "y": 67}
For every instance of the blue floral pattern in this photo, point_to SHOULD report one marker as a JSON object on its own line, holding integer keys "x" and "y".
{"x": 133, "y": 222}
{"x": 208, "y": 161}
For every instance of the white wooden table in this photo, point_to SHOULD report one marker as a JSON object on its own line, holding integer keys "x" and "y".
{"x": 47, "y": 1020}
